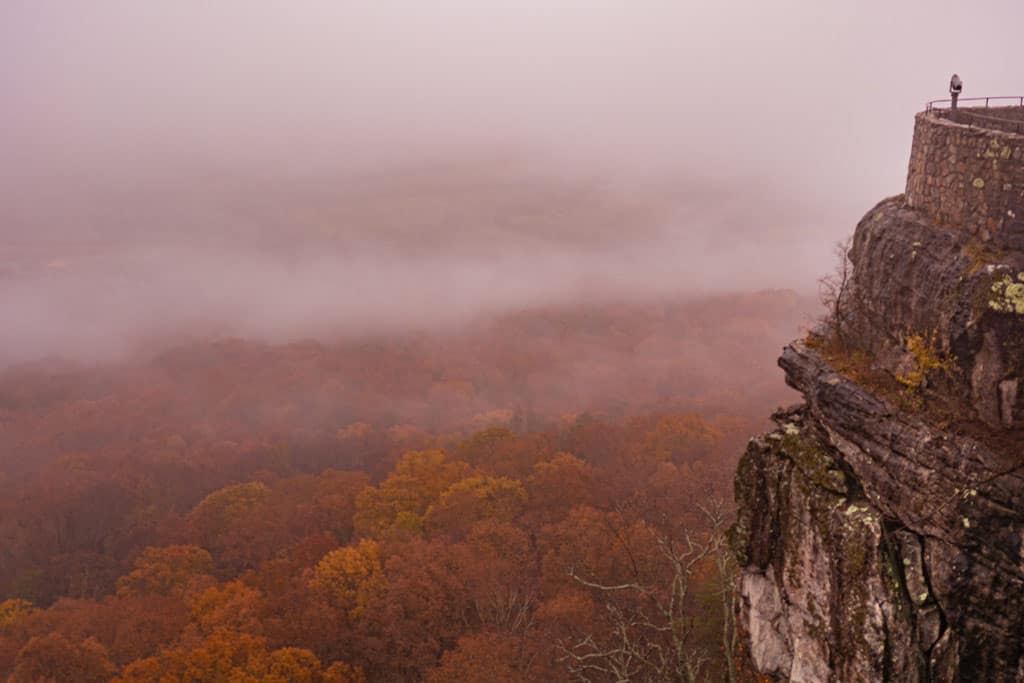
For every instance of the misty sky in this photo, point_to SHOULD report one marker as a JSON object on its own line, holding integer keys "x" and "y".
{"x": 729, "y": 144}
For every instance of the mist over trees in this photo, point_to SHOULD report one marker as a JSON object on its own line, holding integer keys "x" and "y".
{"x": 431, "y": 507}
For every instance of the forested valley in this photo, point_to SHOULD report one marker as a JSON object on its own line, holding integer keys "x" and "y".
{"x": 531, "y": 496}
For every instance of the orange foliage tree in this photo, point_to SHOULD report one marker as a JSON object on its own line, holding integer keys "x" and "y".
{"x": 237, "y": 658}
{"x": 55, "y": 658}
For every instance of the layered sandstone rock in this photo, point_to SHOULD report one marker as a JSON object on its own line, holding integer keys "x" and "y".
{"x": 913, "y": 277}
{"x": 876, "y": 547}
{"x": 879, "y": 540}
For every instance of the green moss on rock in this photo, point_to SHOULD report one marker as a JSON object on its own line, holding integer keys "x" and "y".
{"x": 813, "y": 461}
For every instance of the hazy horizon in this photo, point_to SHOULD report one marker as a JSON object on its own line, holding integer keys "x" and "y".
{"x": 279, "y": 172}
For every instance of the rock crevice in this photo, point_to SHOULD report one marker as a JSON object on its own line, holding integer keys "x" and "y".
{"x": 874, "y": 546}
{"x": 880, "y": 527}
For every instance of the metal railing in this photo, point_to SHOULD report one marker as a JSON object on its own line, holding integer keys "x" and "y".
{"x": 945, "y": 105}
{"x": 972, "y": 116}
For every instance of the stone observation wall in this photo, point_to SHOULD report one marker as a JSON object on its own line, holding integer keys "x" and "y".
{"x": 970, "y": 177}
{"x": 1006, "y": 119}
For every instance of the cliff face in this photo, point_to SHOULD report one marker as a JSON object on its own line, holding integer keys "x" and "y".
{"x": 911, "y": 276}
{"x": 876, "y": 547}
{"x": 880, "y": 530}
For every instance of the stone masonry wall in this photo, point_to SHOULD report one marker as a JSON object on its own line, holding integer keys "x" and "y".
{"x": 1006, "y": 119}
{"x": 969, "y": 179}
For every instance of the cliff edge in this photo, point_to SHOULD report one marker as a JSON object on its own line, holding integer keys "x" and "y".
{"x": 880, "y": 526}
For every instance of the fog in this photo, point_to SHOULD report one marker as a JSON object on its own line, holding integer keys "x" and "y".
{"x": 280, "y": 170}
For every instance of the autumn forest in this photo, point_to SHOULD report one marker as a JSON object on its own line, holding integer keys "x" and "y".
{"x": 534, "y": 496}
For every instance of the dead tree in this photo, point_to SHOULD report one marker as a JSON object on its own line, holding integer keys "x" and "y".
{"x": 652, "y": 638}
{"x": 835, "y": 292}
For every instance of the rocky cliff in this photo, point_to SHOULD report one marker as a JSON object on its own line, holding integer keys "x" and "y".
{"x": 880, "y": 525}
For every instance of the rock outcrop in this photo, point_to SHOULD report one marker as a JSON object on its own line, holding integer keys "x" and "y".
{"x": 879, "y": 539}
{"x": 913, "y": 277}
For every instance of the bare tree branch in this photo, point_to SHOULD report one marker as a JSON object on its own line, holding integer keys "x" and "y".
{"x": 652, "y": 639}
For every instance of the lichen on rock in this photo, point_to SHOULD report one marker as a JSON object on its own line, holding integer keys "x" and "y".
{"x": 909, "y": 571}
{"x": 878, "y": 542}
{"x": 1008, "y": 295}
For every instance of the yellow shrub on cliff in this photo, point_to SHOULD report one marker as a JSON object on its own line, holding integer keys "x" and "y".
{"x": 927, "y": 360}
